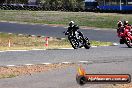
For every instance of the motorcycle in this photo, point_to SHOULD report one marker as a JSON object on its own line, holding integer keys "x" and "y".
{"x": 124, "y": 35}
{"x": 77, "y": 40}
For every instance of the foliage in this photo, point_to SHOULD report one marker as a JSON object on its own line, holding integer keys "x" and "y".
{"x": 65, "y": 5}
{"x": 14, "y": 1}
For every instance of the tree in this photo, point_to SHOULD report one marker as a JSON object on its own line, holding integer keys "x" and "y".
{"x": 69, "y": 5}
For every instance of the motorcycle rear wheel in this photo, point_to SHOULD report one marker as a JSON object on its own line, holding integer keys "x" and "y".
{"x": 129, "y": 43}
{"x": 87, "y": 44}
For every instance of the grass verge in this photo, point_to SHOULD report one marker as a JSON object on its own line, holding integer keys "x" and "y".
{"x": 26, "y": 42}
{"x": 7, "y": 76}
{"x": 99, "y": 43}
{"x": 90, "y": 19}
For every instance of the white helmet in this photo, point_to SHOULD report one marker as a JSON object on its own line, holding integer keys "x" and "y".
{"x": 125, "y": 22}
{"x": 71, "y": 23}
{"x": 120, "y": 22}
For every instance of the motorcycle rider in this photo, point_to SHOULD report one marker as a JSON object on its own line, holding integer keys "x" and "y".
{"x": 127, "y": 29}
{"x": 127, "y": 25}
{"x": 73, "y": 28}
{"x": 119, "y": 25}
{"x": 120, "y": 28}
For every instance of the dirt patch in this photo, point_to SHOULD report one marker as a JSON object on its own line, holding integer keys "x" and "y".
{"x": 22, "y": 70}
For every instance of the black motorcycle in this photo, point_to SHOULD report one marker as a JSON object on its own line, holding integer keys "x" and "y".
{"x": 77, "y": 40}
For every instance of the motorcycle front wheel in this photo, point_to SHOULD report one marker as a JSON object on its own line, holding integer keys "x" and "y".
{"x": 74, "y": 42}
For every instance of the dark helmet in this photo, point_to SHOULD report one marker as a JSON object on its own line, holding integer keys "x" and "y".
{"x": 71, "y": 23}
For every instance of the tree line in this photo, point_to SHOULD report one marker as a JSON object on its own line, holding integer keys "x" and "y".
{"x": 70, "y": 5}
{"x": 65, "y": 5}
{"x": 13, "y": 1}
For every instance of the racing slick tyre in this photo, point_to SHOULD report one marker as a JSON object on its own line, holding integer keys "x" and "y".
{"x": 87, "y": 44}
{"x": 128, "y": 43}
{"x": 74, "y": 42}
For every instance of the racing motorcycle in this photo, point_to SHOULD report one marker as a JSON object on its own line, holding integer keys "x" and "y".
{"x": 77, "y": 40}
{"x": 123, "y": 34}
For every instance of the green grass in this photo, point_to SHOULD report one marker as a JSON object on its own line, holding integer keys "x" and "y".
{"x": 90, "y": 19}
{"x": 7, "y": 76}
{"x": 20, "y": 42}
{"x": 99, "y": 43}
{"x": 25, "y": 42}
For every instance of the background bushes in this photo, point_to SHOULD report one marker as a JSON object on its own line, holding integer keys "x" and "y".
{"x": 63, "y": 5}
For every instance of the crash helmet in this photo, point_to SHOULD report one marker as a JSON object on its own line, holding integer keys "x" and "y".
{"x": 71, "y": 23}
{"x": 125, "y": 22}
{"x": 119, "y": 23}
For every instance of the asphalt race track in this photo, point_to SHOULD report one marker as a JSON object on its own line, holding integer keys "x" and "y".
{"x": 99, "y": 54}
{"x": 45, "y": 30}
{"x": 105, "y": 59}
{"x": 101, "y": 60}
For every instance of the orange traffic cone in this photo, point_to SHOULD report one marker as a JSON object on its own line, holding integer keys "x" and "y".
{"x": 47, "y": 42}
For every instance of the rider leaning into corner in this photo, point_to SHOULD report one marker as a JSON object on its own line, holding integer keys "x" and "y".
{"x": 126, "y": 28}
{"x": 73, "y": 28}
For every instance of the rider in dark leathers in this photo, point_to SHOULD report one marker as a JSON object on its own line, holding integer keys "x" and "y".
{"x": 74, "y": 29}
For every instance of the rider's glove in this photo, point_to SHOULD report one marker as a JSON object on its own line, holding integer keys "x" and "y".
{"x": 66, "y": 33}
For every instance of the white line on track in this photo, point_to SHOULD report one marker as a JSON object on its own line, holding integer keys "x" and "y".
{"x": 20, "y": 34}
{"x": 97, "y": 29}
{"x": 38, "y": 49}
{"x": 10, "y": 65}
{"x": 10, "y": 33}
{"x": 86, "y": 62}
{"x": 46, "y": 63}
{"x": 83, "y": 61}
{"x": 29, "y": 64}
{"x": 65, "y": 48}
{"x": 66, "y": 62}
{"x": 33, "y": 35}
{"x": 115, "y": 44}
{"x": 16, "y": 50}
